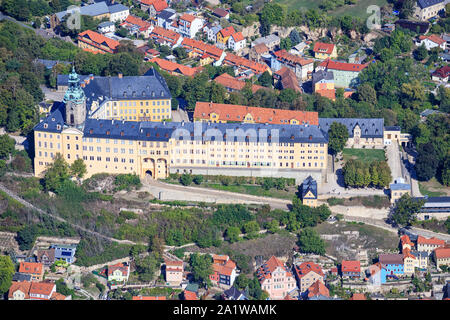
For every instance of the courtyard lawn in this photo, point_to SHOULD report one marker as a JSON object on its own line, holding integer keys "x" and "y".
{"x": 433, "y": 188}
{"x": 366, "y": 155}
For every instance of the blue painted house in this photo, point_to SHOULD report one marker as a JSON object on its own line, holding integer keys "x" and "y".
{"x": 64, "y": 252}
{"x": 392, "y": 266}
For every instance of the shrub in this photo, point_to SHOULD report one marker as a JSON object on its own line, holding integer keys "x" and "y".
{"x": 127, "y": 181}
{"x": 198, "y": 179}
{"x": 186, "y": 179}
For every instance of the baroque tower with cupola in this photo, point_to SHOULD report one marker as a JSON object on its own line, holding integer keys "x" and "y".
{"x": 75, "y": 101}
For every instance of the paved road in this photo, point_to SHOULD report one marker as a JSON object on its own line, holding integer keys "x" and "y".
{"x": 393, "y": 156}
{"x": 176, "y": 192}
{"x": 429, "y": 234}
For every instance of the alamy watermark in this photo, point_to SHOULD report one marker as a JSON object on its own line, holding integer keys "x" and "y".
{"x": 374, "y": 20}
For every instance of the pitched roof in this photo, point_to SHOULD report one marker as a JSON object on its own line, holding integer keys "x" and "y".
{"x": 260, "y": 48}
{"x": 430, "y": 241}
{"x": 176, "y": 67}
{"x": 407, "y": 254}
{"x": 309, "y": 184}
{"x": 50, "y": 253}
{"x": 132, "y": 20}
{"x": 57, "y": 296}
{"x": 288, "y": 79}
{"x": 442, "y": 253}
{"x": 189, "y": 295}
{"x": 428, "y": 3}
{"x": 44, "y": 288}
{"x": 266, "y": 269}
{"x": 119, "y": 266}
{"x": 370, "y": 128}
{"x": 226, "y": 32}
{"x": 149, "y": 298}
{"x": 188, "y": 17}
{"x": 31, "y": 267}
{"x": 350, "y": 266}
{"x": 202, "y": 47}
{"x": 165, "y": 34}
{"x": 342, "y": 66}
{"x": 390, "y": 258}
{"x": 327, "y": 93}
{"x": 117, "y": 8}
{"x": 306, "y": 267}
{"x": 160, "y": 5}
{"x": 434, "y": 38}
{"x": 442, "y": 72}
{"x": 99, "y": 39}
{"x": 220, "y": 12}
{"x": 292, "y": 58}
{"x": 23, "y": 286}
{"x": 358, "y": 296}
{"x": 231, "y": 112}
{"x": 230, "y": 82}
{"x": 405, "y": 240}
{"x": 238, "y": 61}
{"x": 323, "y": 47}
{"x": 237, "y": 36}
{"x": 318, "y": 289}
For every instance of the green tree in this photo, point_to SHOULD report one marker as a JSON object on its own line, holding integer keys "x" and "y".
{"x": 26, "y": 237}
{"x": 309, "y": 241}
{"x": 251, "y": 227}
{"x": 406, "y": 209}
{"x": 56, "y": 174}
{"x": 337, "y": 137}
{"x": 233, "y": 234}
{"x": 201, "y": 267}
{"x": 421, "y": 53}
{"x": 427, "y": 162}
{"x": 6, "y": 274}
{"x": 78, "y": 168}
{"x": 265, "y": 79}
{"x": 6, "y": 146}
{"x": 146, "y": 267}
{"x": 197, "y": 179}
{"x": 186, "y": 179}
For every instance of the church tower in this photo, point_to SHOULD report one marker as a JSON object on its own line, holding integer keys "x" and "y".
{"x": 75, "y": 101}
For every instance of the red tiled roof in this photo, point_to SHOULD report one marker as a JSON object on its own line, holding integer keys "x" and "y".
{"x": 443, "y": 72}
{"x": 306, "y": 267}
{"x": 323, "y": 47}
{"x": 237, "y": 36}
{"x": 288, "y": 79}
{"x": 188, "y": 17}
{"x": 44, "y": 288}
{"x": 31, "y": 268}
{"x": 160, "y": 5}
{"x": 351, "y": 266}
{"x": 407, "y": 254}
{"x": 132, "y": 20}
{"x": 149, "y": 298}
{"x": 434, "y": 38}
{"x": 226, "y": 32}
{"x": 189, "y": 295}
{"x": 230, "y": 112}
{"x": 234, "y": 60}
{"x": 176, "y": 67}
{"x": 292, "y": 58}
{"x": 99, "y": 39}
{"x": 327, "y": 93}
{"x": 265, "y": 271}
{"x": 442, "y": 253}
{"x": 230, "y": 82}
{"x": 222, "y": 264}
{"x": 318, "y": 288}
{"x": 405, "y": 240}
{"x": 201, "y": 47}
{"x": 343, "y": 66}
{"x": 432, "y": 241}
{"x": 260, "y": 48}
{"x": 220, "y": 12}
{"x": 165, "y": 34}
{"x": 57, "y": 296}
{"x": 119, "y": 266}
{"x": 23, "y": 286}
{"x": 358, "y": 296}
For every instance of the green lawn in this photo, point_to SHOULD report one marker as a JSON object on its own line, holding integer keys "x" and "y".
{"x": 426, "y": 192}
{"x": 254, "y": 190}
{"x": 300, "y": 4}
{"x": 366, "y": 155}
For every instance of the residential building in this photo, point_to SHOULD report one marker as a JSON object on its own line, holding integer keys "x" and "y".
{"x": 307, "y": 273}
{"x": 97, "y": 11}
{"x": 393, "y": 134}
{"x": 96, "y": 43}
{"x": 223, "y": 35}
{"x": 236, "y": 41}
{"x": 243, "y": 64}
{"x": 191, "y": 292}
{"x": 398, "y": 189}
{"x": 276, "y": 278}
{"x": 323, "y": 84}
{"x": 358, "y": 56}
{"x": 257, "y": 51}
{"x": 46, "y": 257}
{"x": 166, "y": 37}
{"x": 392, "y": 265}
{"x": 19, "y": 290}
{"x": 351, "y": 269}
{"x": 429, "y": 244}
{"x": 222, "y": 113}
{"x": 176, "y": 68}
{"x": 361, "y": 132}
{"x": 441, "y": 74}
{"x": 189, "y": 25}
{"x": 271, "y": 41}
{"x": 358, "y": 296}
{"x": 119, "y": 272}
{"x": 35, "y": 269}
{"x": 234, "y": 294}
{"x": 136, "y": 26}
{"x": 441, "y": 256}
{"x": 65, "y": 252}
{"x": 421, "y": 259}
{"x": 409, "y": 262}
{"x": 42, "y": 290}
{"x": 153, "y": 7}
{"x": 174, "y": 272}
{"x": 196, "y": 48}
{"x": 106, "y": 27}
{"x": 431, "y": 41}
{"x": 232, "y": 84}
{"x": 324, "y": 50}
{"x": 345, "y": 74}
{"x": 212, "y": 33}
{"x": 118, "y": 12}
{"x": 224, "y": 270}
{"x": 19, "y": 277}
{"x": 405, "y": 242}
{"x": 165, "y": 18}
{"x": 303, "y": 68}
{"x": 427, "y": 9}
{"x": 318, "y": 291}
{"x": 299, "y": 48}
{"x": 149, "y": 298}
{"x": 309, "y": 192}
{"x": 286, "y": 79}
{"x": 221, "y": 13}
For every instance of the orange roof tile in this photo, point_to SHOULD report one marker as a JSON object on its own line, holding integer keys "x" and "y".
{"x": 237, "y": 36}
{"x": 266, "y": 269}
{"x": 149, "y": 298}
{"x": 58, "y": 296}
{"x": 405, "y": 240}
{"x": 230, "y": 82}
{"x": 23, "y": 286}
{"x": 231, "y": 112}
{"x": 31, "y": 267}
{"x": 318, "y": 288}
{"x": 260, "y": 48}
{"x": 44, "y": 288}
{"x": 201, "y": 47}
{"x": 119, "y": 266}
{"x": 407, "y": 253}
{"x": 165, "y": 34}
{"x": 306, "y": 267}
{"x": 430, "y": 241}
{"x": 351, "y": 266}
{"x": 189, "y": 295}
{"x": 323, "y": 47}
{"x": 358, "y": 296}
{"x": 292, "y": 58}
{"x": 343, "y": 66}
{"x": 132, "y": 20}
{"x": 288, "y": 79}
{"x": 442, "y": 253}
{"x": 176, "y": 67}
{"x": 98, "y": 39}
{"x": 188, "y": 17}
{"x": 434, "y": 38}
{"x": 327, "y": 93}
{"x": 228, "y": 31}
{"x": 234, "y": 60}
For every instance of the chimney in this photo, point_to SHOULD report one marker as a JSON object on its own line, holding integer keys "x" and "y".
{"x": 91, "y": 77}
{"x": 120, "y": 75}
{"x": 83, "y": 85}
{"x": 87, "y": 80}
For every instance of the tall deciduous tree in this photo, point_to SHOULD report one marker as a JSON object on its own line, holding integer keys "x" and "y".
{"x": 201, "y": 267}
{"x": 337, "y": 137}
{"x": 309, "y": 241}
{"x": 406, "y": 209}
{"x": 6, "y": 274}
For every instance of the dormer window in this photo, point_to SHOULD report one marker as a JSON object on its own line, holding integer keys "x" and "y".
{"x": 121, "y": 133}
{"x": 91, "y": 131}
{"x": 108, "y": 132}
{"x": 134, "y": 93}
{"x": 162, "y": 93}
{"x": 45, "y": 125}
{"x": 58, "y": 127}
{"x": 124, "y": 94}
{"x": 153, "y": 93}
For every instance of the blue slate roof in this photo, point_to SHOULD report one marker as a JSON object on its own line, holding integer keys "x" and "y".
{"x": 309, "y": 185}
{"x": 117, "y": 8}
{"x": 106, "y": 24}
{"x": 63, "y": 79}
{"x": 428, "y": 3}
{"x": 370, "y": 128}
{"x": 165, "y": 14}
{"x": 400, "y": 186}
{"x": 92, "y": 10}
{"x": 19, "y": 277}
